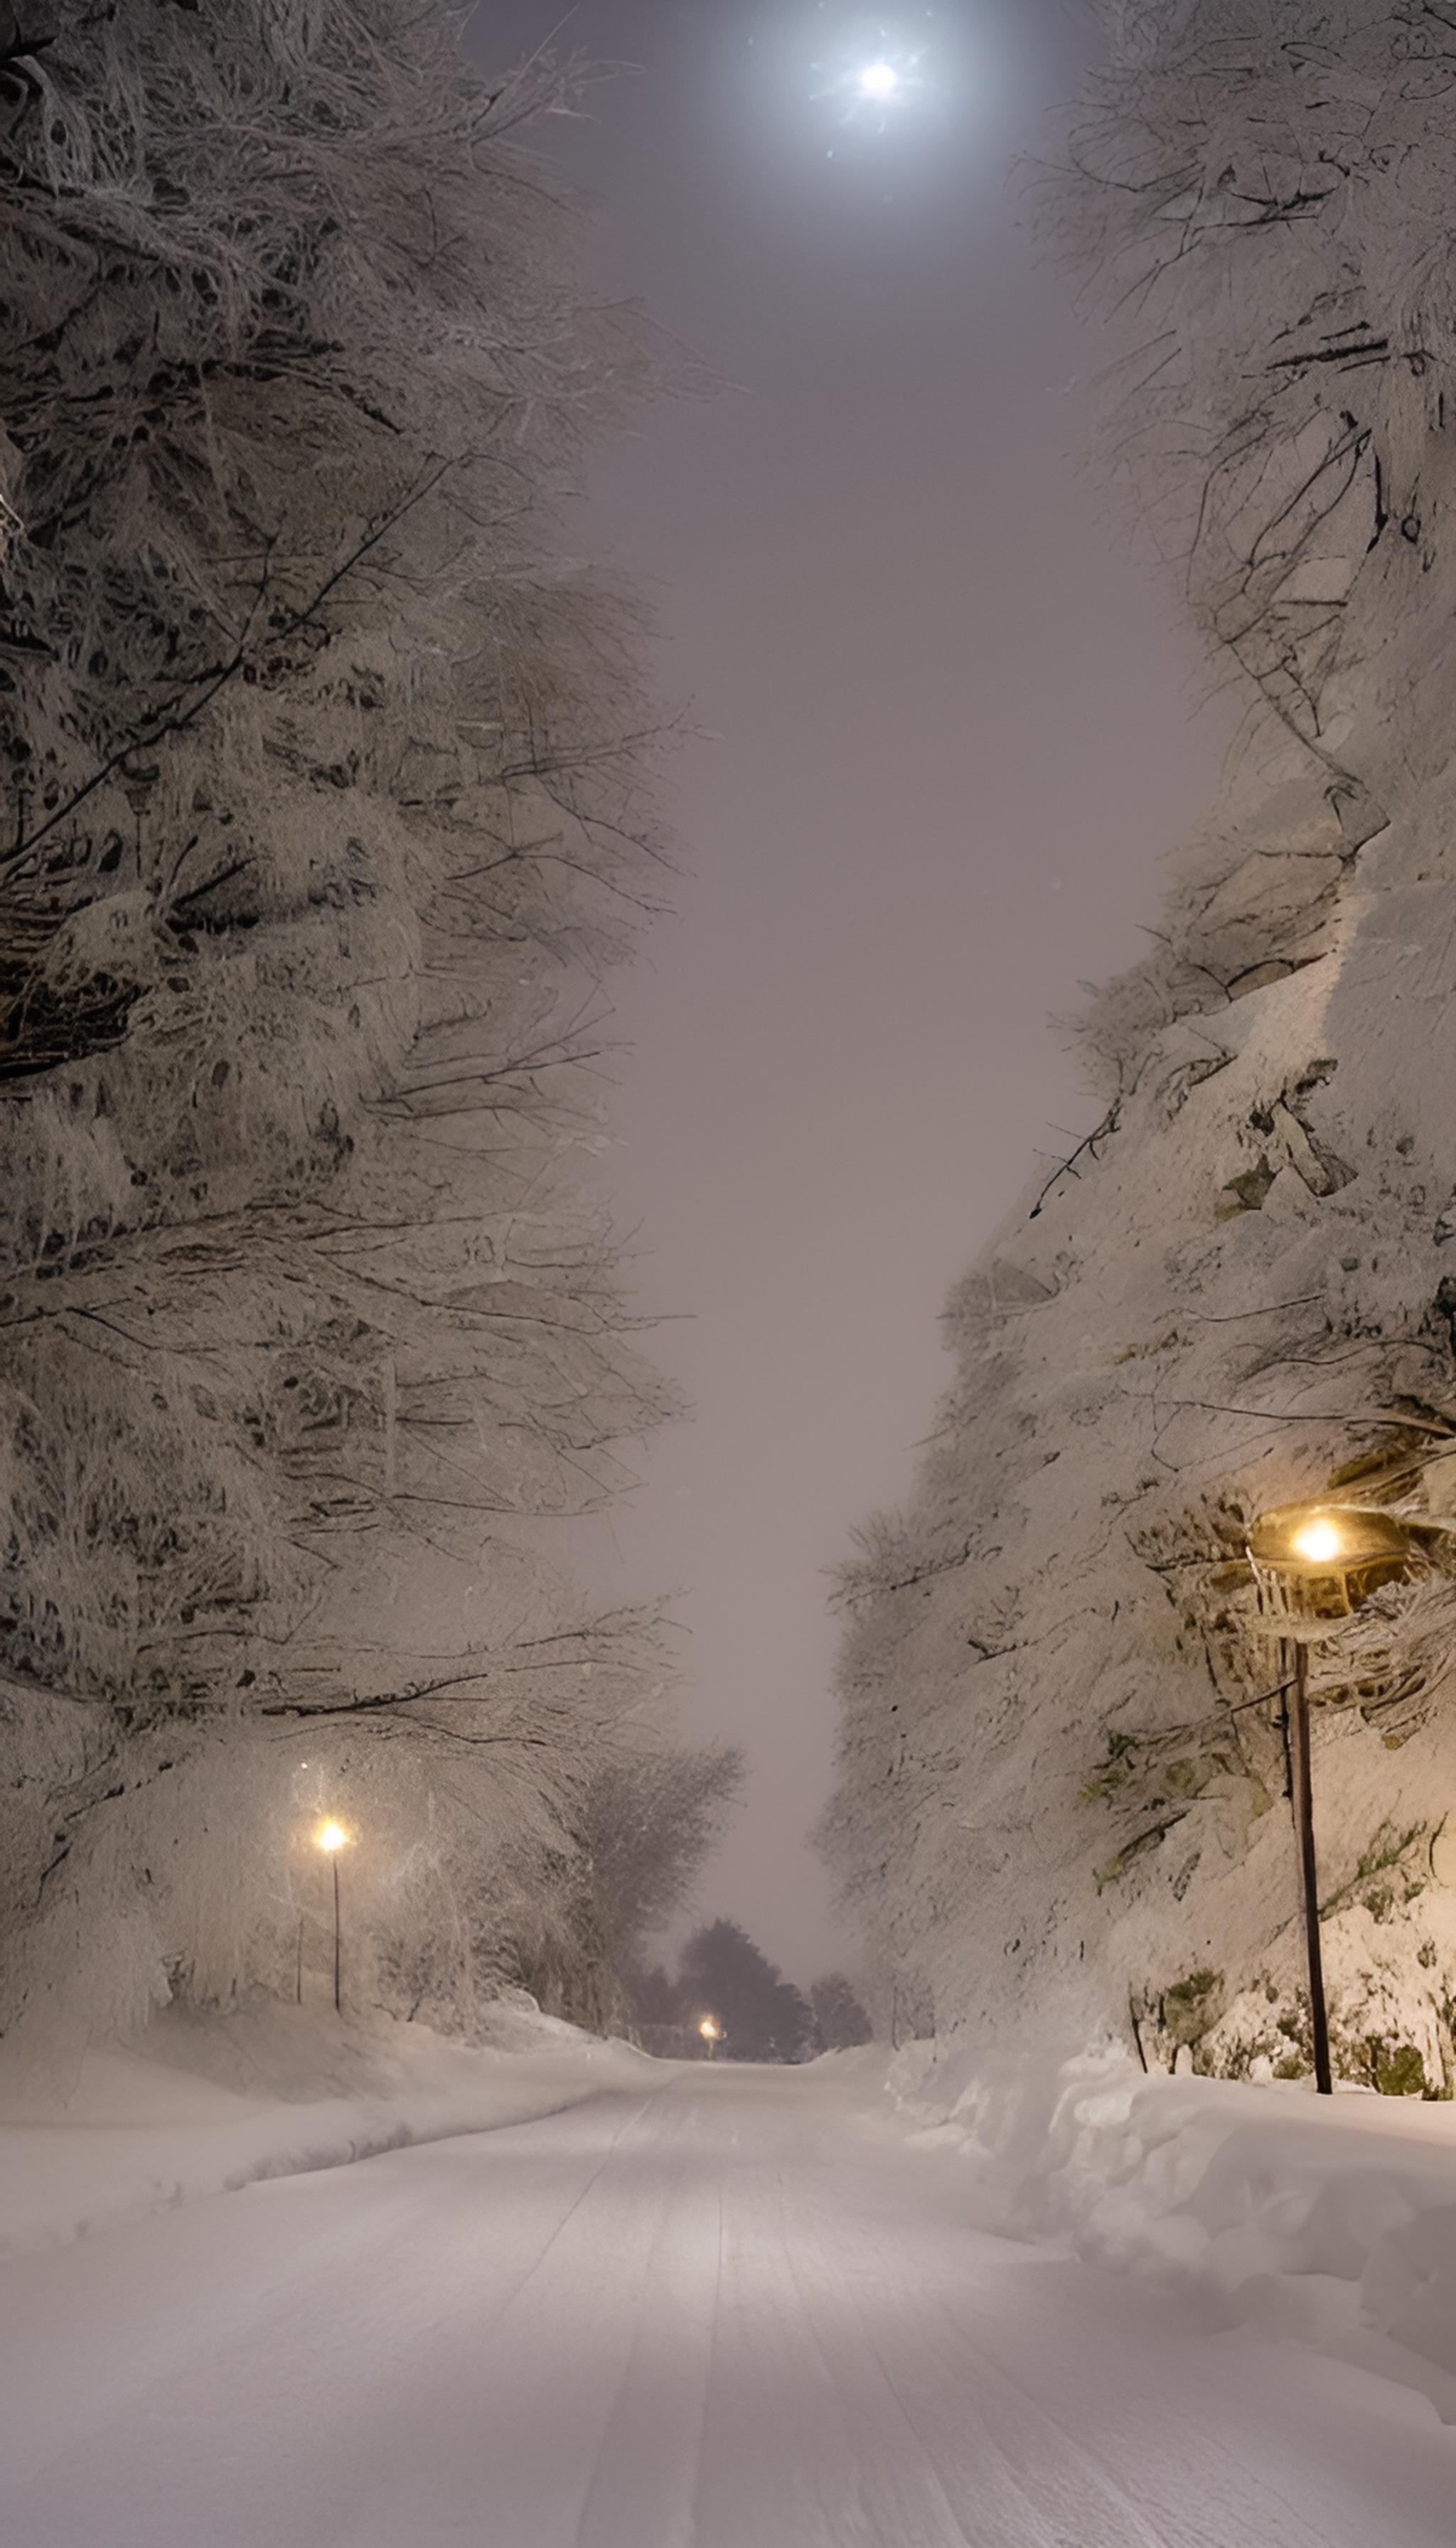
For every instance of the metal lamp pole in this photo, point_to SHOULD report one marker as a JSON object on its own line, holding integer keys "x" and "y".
{"x": 339, "y": 2005}
{"x": 331, "y": 1838}
{"x": 1302, "y": 1783}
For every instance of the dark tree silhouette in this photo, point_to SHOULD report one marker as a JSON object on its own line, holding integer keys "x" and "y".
{"x": 840, "y": 2021}
{"x": 725, "y": 1975}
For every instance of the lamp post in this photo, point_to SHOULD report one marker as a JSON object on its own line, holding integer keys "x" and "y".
{"x": 1314, "y": 1564}
{"x": 711, "y": 2033}
{"x": 331, "y": 1837}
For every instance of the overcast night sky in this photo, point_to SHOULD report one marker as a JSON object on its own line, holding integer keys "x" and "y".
{"x": 948, "y": 732}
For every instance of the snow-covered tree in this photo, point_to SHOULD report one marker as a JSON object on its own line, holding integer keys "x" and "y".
{"x": 643, "y": 1831}
{"x": 1061, "y": 1803}
{"x": 328, "y": 812}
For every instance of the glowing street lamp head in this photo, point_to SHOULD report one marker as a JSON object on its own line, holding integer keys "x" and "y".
{"x": 1315, "y": 1564}
{"x": 330, "y": 1836}
{"x": 709, "y": 2029}
{"x": 878, "y": 81}
{"x": 1318, "y": 1541}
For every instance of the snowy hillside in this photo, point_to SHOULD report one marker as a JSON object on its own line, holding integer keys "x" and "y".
{"x": 1062, "y": 1800}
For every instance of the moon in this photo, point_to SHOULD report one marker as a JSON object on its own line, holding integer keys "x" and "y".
{"x": 873, "y": 76}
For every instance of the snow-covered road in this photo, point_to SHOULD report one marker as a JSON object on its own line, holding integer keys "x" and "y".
{"x": 733, "y": 2311}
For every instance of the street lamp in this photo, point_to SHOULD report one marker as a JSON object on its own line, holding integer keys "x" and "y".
{"x": 331, "y": 1837}
{"x": 1314, "y": 1564}
{"x": 711, "y": 2033}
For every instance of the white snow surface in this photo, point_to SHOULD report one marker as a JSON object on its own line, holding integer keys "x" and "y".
{"x": 202, "y": 2108}
{"x": 721, "y": 2308}
{"x": 1330, "y": 2222}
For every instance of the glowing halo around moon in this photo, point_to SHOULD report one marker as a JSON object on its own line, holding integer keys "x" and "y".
{"x": 875, "y": 72}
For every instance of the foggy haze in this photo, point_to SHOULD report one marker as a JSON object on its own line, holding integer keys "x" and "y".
{"x": 408, "y": 1810}
{"x": 948, "y": 729}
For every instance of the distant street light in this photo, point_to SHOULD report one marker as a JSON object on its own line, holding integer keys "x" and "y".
{"x": 711, "y": 2033}
{"x": 1314, "y": 1564}
{"x": 331, "y": 1837}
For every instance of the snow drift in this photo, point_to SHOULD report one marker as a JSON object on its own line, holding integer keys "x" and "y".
{"x": 1331, "y": 2223}
{"x": 202, "y": 2107}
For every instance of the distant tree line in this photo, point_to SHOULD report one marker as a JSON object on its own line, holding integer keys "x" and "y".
{"x": 328, "y": 812}
{"x": 721, "y": 1974}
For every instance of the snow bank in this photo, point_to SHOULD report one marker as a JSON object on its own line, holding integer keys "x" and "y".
{"x": 197, "y": 2108}
{"x": 1329, "y": 2222}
